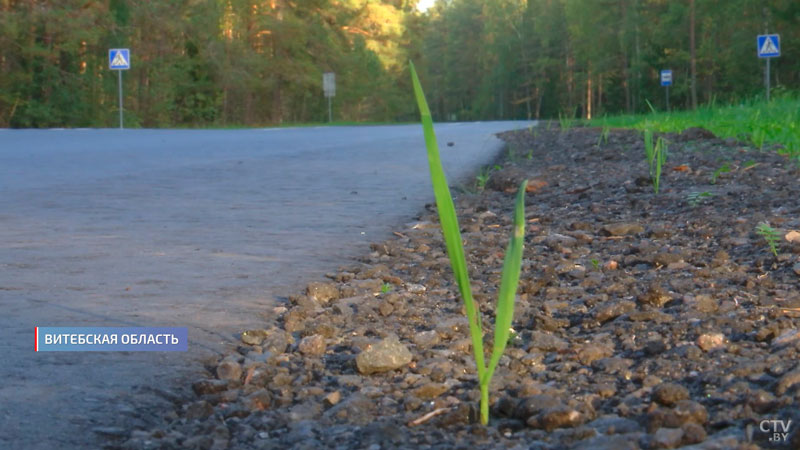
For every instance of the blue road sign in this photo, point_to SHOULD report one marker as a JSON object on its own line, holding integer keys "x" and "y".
{"x": 769, "y": 45}
{"x": 119, "y": 59}
{"x": 666, "y": 77}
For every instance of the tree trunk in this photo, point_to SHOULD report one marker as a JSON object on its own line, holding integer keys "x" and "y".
{"x": 589, "y": 94}
{"x": 693, "y": 55}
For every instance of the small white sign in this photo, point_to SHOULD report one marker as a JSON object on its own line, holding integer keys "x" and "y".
{"x": 329, "y": 84}
{"x": 119, "y": 59}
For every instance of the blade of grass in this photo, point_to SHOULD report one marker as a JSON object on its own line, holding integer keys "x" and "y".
{"x": 512, "y": 266}
{"x": 449, "y": 223}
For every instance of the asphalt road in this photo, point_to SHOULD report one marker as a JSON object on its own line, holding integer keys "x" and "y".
{"x": 205, "y": 229}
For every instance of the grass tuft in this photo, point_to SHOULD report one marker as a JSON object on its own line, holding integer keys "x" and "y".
{"x": 504, "y": 312}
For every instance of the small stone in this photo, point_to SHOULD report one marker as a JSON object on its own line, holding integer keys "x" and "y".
{"x": 333, "y": 398}
{"x": 711, "y": 341}
{"x": 547, "y": 342}
{"x": 558, "y": 241}
{"x": 706, "y": 303}
{"x": 357, "y": 409}
{"x": 667, "y": 438}
{"x": 693, "y": 434}
{"x": 386, "y": 309}
{"x": 611, "y": 310}
{"x": 613, "y": 424}
{"x": 229, "y": 369}
{"x": 535, "y": 404}
{"x": 277, "y": 341}
{"x": 665, "y": 259}
{"x": 415, "y": 288}
{"x": 258, "y": 400}
{"x": 254, "y": 337}
{"x": 655, "y": 296}
{"x": 430, "y": 391}
{"x": 426, "y": 339}
{"x": 388, "y": 354}
{"x": 199, "y": 410}
{"x": 796, "y": 268}
{"x": 323, "y": 292}
{"x": 612, "y": 365}
{"x": 559, "y": 417}
{"x": 689, "y": 411}
{"x": 787, "y": 337}
{"x": 535, "y": 185}
{"x": 622, "y": 229}
{"x": 611, "y": 265}
{"x": 787, "y": 381}
{"x": 593, "y": 352}
{"x": 207, "y": 387}
{"x": 669, "y": 394}
{"x": 313, "y": 345}
{"x": 760, "y": 400}
{"x": 793, "y": 236}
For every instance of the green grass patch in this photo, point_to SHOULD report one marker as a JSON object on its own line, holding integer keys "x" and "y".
{"x": 758, "y": 123}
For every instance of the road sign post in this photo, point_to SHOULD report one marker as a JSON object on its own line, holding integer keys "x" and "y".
{"x": 119, "y": 59}
{"x": 666, "y": 81}
{"x": 768, "y": 46}
{"x": 329, "y": 87}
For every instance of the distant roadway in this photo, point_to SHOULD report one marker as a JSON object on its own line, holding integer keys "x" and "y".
{"x": 197, "y": 228}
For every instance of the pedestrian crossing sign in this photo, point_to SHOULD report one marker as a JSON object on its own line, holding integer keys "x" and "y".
{"x": 769, "y": 45}
{"x": 119, "y": 59}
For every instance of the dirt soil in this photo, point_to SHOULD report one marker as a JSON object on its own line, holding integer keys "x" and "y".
{"x": 642, "y": 320}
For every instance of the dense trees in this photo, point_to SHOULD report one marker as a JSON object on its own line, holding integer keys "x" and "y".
{"x": 248, "y": 62}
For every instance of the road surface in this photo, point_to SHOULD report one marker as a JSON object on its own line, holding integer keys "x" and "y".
{"x": 198, "y": 228}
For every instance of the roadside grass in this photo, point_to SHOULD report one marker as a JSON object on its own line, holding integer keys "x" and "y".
{"x": 512, "y": 263}
{"x": 756, "y": 122}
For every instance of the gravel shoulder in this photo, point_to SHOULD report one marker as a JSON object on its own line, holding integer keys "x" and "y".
{"x": 642, "y": 320}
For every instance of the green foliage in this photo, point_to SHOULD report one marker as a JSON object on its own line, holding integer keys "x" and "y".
{"x": 695, "y": 198}
{"x": 770, "y": 235}
{"x": 756, "y": 122}
{"x": 595, "y": 264}
{"x": 656, "y": 157}
{"x": 724, "y": 168}
{"x": 504, "y": 312}
{"x": 386, "y": 288}
{"x": 565, "y": 122}
{"x": 483, "y": 176}
{"x": 603, "y": 137}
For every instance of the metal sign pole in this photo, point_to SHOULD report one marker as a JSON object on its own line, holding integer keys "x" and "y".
{"x": 766, "y": 79}
{"x": 119, "y": 72}
{"x": 330, "y": 113}
{"x": 667, "y": 98}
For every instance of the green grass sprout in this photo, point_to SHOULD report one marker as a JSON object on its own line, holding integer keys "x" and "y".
{"x": 386, "y": 288}
{"x": 603, "y": 138}
{"x": 512, "y": 264}
{"x": 656, "y": 157}
{"x": 725, "y": 168}
{"x": 565, "y": 122}
{"x": 483, "y": 177}
{"x": 695, "y": 198}
{"x": 770, "y": 235}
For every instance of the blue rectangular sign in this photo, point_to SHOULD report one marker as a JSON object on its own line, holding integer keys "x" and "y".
{"x": 768, "y": 45}
{"x": 666, "y": 77}
{"x": 119, "y": 59}
{"x": 111, "y": 339}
